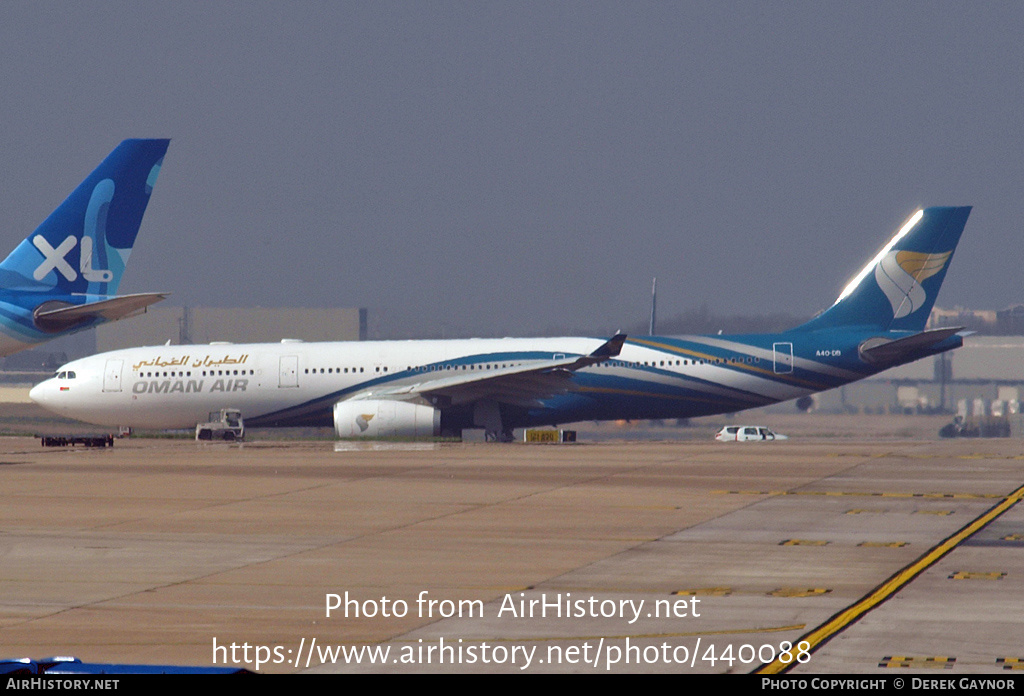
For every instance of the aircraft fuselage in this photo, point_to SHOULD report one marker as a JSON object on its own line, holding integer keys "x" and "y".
{"x": 295, "y": 383}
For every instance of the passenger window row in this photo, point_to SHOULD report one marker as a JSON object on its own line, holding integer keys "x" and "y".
{"x": 669, "y": 363}
{"x": 205, "y": 373}
{"x": 495, "y": 366}
{"x": 336, "y": 370}
{"x": 470, "y": 367}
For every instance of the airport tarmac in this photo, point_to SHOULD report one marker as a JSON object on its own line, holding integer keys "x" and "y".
{"x": 607, "y": 555}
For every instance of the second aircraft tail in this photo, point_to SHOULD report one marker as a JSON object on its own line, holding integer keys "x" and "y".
{"x": 83, "y": 246}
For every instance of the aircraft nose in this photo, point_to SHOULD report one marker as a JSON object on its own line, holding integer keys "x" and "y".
{"x": 40, "y": 393}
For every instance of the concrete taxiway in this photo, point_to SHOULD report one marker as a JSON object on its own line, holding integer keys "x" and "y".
{"x": 595, "y": 557}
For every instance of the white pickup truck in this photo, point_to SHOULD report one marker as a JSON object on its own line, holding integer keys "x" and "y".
{"x": 747, "y": 433}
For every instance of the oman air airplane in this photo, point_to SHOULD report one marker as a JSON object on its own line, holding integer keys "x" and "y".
{"x": 426, "y": 388}
{"x": 63, "y": 277}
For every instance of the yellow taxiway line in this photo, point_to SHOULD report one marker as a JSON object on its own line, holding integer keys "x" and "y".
{"x": 851, "y": 614}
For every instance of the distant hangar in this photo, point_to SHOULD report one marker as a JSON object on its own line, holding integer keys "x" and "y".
{"x": 990, "y": 368}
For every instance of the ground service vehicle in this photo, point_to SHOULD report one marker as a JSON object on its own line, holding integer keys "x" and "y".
{"x": 226, "y": 424}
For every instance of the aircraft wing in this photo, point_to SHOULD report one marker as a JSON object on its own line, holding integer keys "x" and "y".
{"x": 522, "y": 384}
{"x": 61, "y": 318}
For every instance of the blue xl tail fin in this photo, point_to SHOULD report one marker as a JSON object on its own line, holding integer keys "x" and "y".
{"x": 83, "y": 246}
{"x": 896, "y": 290}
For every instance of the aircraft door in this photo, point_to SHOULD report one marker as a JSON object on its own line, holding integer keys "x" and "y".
{"x": 783, "y": 358}
{"x": 112, "y": 376}
{"x": 289, "y": 373}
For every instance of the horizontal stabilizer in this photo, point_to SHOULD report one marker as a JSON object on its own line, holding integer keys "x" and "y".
{"x": 55, "y": 319}
{"x": 882, "y": 351}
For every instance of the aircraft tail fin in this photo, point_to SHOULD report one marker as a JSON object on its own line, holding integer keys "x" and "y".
{"x": 896, "y": 290}
{"x": 83, "y": 246}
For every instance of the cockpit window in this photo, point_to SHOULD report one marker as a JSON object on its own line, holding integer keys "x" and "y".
{"x": 65, "y": 374}
{"x": 71, "y": 374}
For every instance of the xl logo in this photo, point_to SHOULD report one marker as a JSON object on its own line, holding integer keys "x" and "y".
{"x": 54, "y": 260}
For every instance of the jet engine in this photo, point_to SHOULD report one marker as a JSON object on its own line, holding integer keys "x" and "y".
{"x": 385, "y": 418}
{"x": 807, "y": 403}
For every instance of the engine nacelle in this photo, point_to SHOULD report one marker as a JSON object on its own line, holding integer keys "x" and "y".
{"x": 807, "y": 403}
{"x": 385, "y": 418}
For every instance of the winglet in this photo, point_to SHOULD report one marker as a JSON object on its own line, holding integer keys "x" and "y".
{"x": 607, "y": 350}
{"x": 610, "y": 348}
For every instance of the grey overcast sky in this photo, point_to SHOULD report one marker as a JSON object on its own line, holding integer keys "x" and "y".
{"x": 505, "y": 168}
